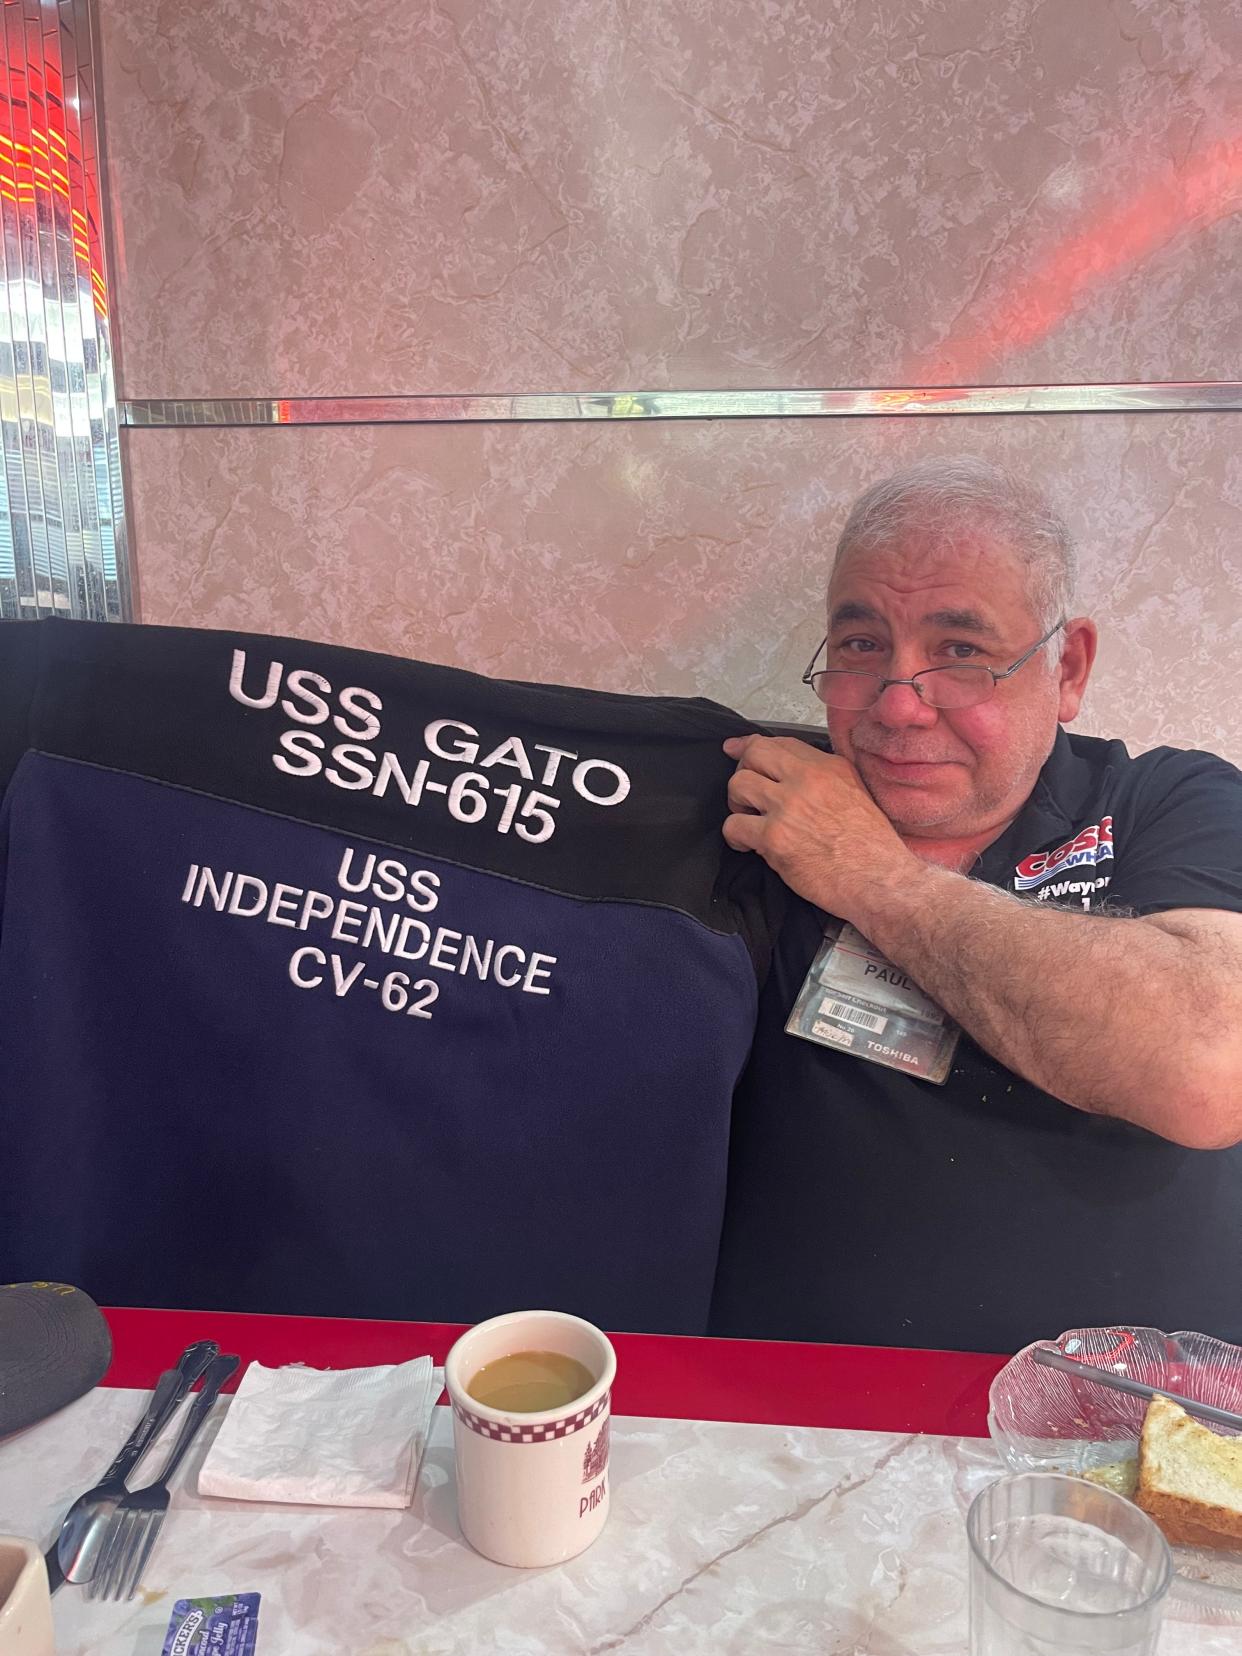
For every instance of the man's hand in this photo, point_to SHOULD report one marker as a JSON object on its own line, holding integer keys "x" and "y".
{"x": 810, "y": 818}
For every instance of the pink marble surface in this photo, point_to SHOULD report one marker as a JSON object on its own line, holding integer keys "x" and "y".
{"x": 723, "y": 1540}
{"x": 488, "y": 195}
{"x": 683, "y": 558}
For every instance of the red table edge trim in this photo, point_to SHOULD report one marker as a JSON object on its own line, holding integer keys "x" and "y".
{"x": 866, "y": 1388}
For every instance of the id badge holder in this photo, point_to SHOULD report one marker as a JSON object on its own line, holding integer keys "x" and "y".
{"x": 857, "y": 1001}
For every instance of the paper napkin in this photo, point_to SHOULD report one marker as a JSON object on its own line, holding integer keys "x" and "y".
{"x": 324, "y": 1437}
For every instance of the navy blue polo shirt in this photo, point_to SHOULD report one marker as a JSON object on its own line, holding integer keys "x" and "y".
{"x": 868, "y": 1206}
{"x": 337, "y": 984}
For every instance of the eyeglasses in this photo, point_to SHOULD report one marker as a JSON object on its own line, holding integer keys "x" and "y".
{"x": 941, "y": 687}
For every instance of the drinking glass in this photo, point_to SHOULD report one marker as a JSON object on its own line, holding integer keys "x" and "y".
{"x": 1061, "y": 1567}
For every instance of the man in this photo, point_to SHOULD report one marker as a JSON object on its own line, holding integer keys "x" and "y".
{"x": 1074, "y": 910}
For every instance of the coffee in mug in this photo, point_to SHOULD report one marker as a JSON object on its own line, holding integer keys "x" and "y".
{"x": 526, "y": 1381}
{"x": 533, "y": 1475}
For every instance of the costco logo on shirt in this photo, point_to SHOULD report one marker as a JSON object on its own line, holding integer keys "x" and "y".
{"x": 1093, "y": 845}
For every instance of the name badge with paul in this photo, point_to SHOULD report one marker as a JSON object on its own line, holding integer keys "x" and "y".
{"x": 856, "y": 1000}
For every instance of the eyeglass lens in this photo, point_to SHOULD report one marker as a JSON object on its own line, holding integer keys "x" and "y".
{"x": 942, "y": 687}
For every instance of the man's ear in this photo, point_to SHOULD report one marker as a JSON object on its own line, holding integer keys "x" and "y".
{"x": 1077, "y": 659}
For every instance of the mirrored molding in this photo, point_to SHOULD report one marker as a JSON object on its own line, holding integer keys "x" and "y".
{"x": 1173, "y": 396}
{"x": 62, "y": 512}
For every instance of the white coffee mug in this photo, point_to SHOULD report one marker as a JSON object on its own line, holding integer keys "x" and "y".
{"x": 531, "y": 1488}
{"x": 25, "y": 1603}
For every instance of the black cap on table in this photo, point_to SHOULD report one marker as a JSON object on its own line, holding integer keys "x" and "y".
{"x": 54, "y": 1346}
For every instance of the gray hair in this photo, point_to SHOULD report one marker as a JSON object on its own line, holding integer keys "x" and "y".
{"x": 943, "y": 496}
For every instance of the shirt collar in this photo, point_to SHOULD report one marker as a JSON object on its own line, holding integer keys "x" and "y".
{"x": 1056, "y": 802}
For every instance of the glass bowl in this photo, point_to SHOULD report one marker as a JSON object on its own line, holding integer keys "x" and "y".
{"x": 1043, "y": 1420}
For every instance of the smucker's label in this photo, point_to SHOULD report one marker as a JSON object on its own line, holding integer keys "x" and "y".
{"x": 227, "y": 1625}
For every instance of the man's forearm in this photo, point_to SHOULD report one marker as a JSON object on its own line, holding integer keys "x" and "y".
{"x": 1114, "y": 1016}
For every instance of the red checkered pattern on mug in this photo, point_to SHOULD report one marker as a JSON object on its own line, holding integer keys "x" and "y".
{"x": 533, "y": 1433}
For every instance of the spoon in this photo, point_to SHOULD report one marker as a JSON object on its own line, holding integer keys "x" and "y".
{"x": 74, "y": 1555}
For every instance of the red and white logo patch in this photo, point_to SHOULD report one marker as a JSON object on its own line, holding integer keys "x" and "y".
{"x": 1093, "y": 845}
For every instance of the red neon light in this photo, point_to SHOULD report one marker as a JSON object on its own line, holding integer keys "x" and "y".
{"x": 46, "y": 160}
{"x": 1207, "y": 188}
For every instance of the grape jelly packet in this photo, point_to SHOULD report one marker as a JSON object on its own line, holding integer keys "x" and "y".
{"x": 223, "y": 1626}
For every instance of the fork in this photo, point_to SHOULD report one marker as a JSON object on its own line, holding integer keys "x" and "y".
{"x": 138, "y": 1519}
{"x": 75, "y": 1552}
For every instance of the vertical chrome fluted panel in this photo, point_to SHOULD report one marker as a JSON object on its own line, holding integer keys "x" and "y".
{"x": 62, "y": 527}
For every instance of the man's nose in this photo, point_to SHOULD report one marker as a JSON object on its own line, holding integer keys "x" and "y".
{"x": 901, "y": 707}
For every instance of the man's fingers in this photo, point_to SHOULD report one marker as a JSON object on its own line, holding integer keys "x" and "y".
{"x": 743, "y": 832}
{"x": 770, "y": 756}
{"x": 748, "y": 791}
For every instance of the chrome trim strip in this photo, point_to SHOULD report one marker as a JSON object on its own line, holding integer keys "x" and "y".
{"x": 1174, "y": 396}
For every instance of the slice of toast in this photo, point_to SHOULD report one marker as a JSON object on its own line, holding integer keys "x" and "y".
{"x": 1190, "y": 1478}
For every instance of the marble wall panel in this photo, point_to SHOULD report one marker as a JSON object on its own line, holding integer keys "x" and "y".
{"x": 681, "y": 558}
{"x": 485, "y": 195}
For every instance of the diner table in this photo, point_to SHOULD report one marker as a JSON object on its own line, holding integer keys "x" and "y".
{"x": 765, "y": 1497}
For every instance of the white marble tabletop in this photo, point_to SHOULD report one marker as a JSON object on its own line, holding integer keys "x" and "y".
{"x": 722, "y": 1539}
